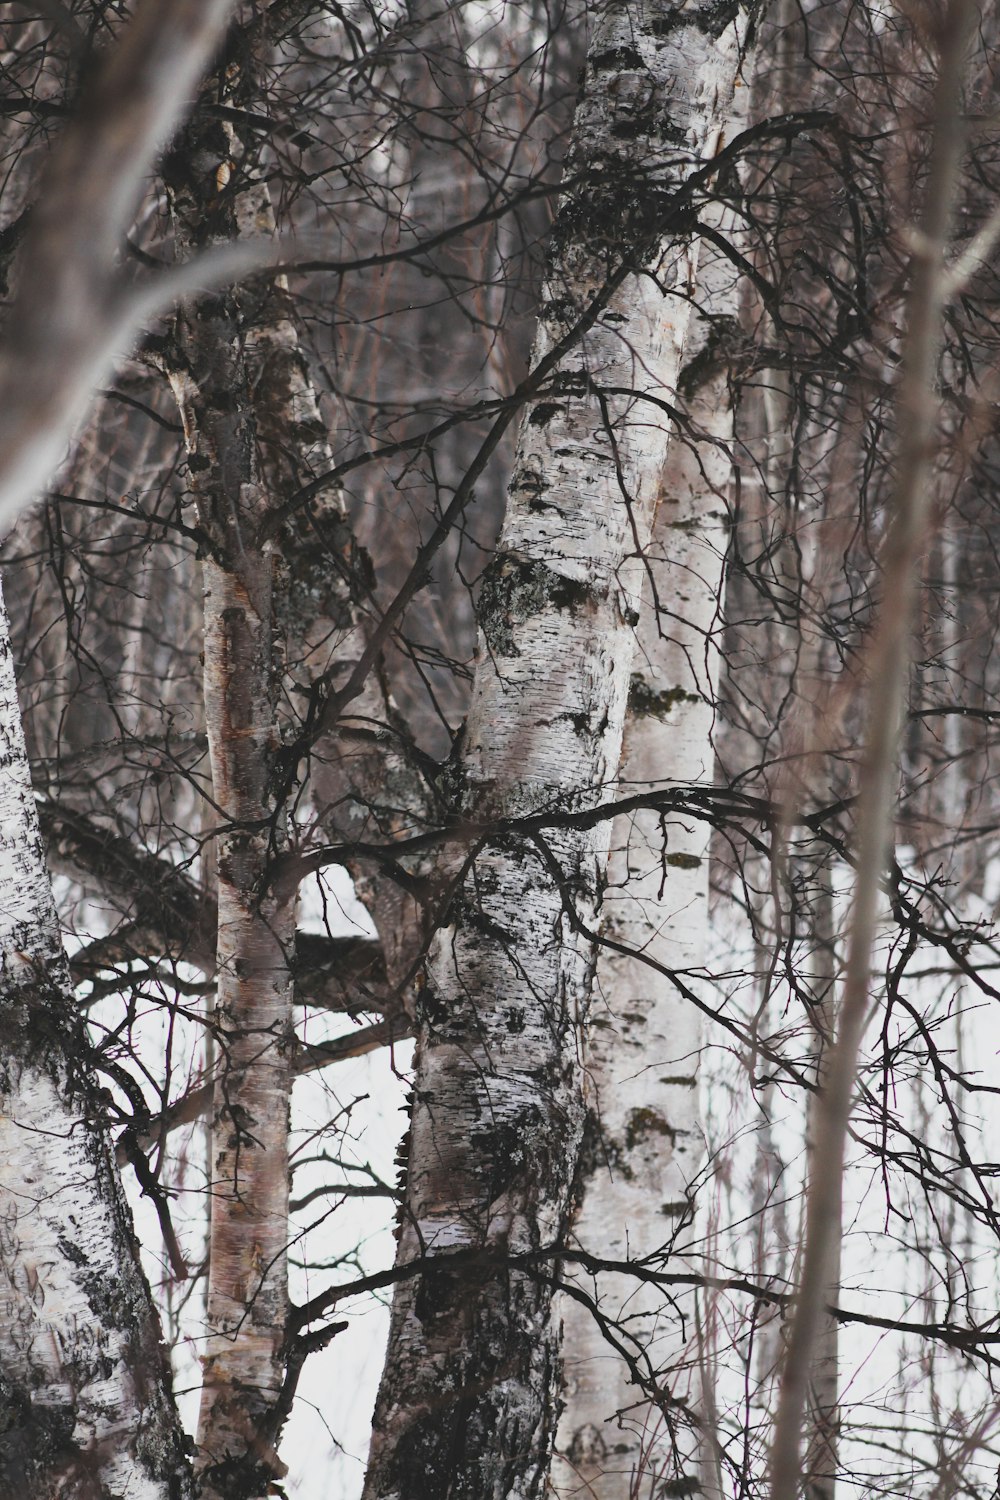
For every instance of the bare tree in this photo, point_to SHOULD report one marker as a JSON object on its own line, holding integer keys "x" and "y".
{"x": 468, "y": 1390}
{"x": 336, "y": 489}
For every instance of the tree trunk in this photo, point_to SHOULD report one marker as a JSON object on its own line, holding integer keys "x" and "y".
{"x": 823, "y": 1411}
{"x": 248, "y": 1293}
{"x": 469, "y": 1394}
{"x": 889, "y": 667}
{"x": 256, "y": 436}
{"x": 213, "y": 373}
{"x": 644, "y": 1143}
{"x": 85, "y": 1403}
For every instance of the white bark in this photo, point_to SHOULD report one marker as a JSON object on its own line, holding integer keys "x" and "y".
{"x": 645, "y": 1146}
{"x": 645, "y": 1038}
{"x": 85, "y": 1405}
{"x": 255, "y": 436}
{"x": 467, "y": 1404}
{"x": 362, "y": 786}
{"x": 248, "y": 1284}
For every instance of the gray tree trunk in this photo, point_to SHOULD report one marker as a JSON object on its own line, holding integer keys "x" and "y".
{"x": 214, "y": 373}
{"x": 73, "y": 314}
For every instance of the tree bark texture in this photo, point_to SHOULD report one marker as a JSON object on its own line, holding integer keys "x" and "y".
{"x": 363, "y": 786}
{"x": 469, "y": 1396}
{"x": 214, "y": 367}
{"x": 255, "y": 437}
{"x": 85, "y": 1403}
{"x": 644, "y": 1143}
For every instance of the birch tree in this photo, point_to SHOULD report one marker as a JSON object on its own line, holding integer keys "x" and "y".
{"x": 253, "y": 1022}
{"x": 86, "y": 1403}
{"x": 643, "y": 1150}
{"x": 500, "y": 839}
{"x": 466, "y": 1404}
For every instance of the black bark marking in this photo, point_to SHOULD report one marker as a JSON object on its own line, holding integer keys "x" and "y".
{"x": 645, "y": 703}
{"x": 515, "y": 590}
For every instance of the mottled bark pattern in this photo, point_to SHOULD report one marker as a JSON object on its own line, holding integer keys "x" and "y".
{"x": 85, "y": 1404}
{"x": 362, "y": 784}
{"x": 645, "y": 1146}
{"x": 469, "y": 1395}
{"x": 212, "y": 372}
{"x": 248, "y": 1278}
{"x": 363, "y": 787}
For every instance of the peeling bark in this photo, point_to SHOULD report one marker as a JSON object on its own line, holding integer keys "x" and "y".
{"x": 85, "y": 1403}
{"x": 255, "y": 436}
{"x": 363, "y": 786}
{"x": 469, "y": 1396}
{"x": 213, "y": 373}
{"x": 248, "y": 1290}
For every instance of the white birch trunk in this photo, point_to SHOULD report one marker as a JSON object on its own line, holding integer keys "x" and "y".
{"x": 468, "y": 1401}
{"x": 85, "y": 1403}
{"x": 362, "y": 786}
{"x": 255, "y": 436}
{"x": 247, "y": 1288}
{"x": 645, "y": 1144}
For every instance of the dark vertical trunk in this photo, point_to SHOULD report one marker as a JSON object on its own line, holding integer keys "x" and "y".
{"x": 212, "y": 369}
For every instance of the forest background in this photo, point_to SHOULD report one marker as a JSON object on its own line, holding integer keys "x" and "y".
{"x": 664, "y": 823}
